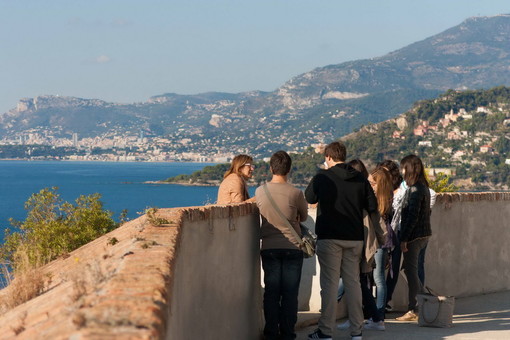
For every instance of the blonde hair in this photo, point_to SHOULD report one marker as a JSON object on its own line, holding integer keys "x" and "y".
{"x": 384, "y": 190}
{"x": 237, "y": 163}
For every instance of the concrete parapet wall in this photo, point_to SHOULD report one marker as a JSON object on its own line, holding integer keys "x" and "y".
{"x": 197, "y": 275}
{"x": 194, "y": 274}
{"x": 215, "y": 285}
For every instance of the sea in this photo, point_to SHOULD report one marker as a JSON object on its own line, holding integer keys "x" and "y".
{"x": 122, "y": 185}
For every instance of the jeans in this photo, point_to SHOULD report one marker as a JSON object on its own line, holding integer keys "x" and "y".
{"x": 393, "y": 273}
{"x": 340, "y": 257}
{"x": 282, "y": 274}
{"x": 410, "y": 266}
{"x": 380, "y": 279}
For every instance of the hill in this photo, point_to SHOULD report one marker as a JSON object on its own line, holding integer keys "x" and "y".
{"x": 317, "y": 106}
{"x": 464, "y": 134}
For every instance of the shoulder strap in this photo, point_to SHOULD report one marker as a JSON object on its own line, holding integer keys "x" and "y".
{"x": 279, "y": 212}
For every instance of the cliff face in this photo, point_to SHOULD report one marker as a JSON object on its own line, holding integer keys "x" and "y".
{"x": 328, "y": 101}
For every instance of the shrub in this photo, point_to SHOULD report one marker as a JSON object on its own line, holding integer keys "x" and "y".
{"x": 442, "y": 183}
{"x": 54, "y": 227}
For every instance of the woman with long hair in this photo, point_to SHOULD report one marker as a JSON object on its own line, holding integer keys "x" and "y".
{"x": 233, "y": 188}
{"x": 381, "y": 181}
{"x": 415, "y": 227}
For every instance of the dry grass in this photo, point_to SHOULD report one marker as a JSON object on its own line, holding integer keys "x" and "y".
{"x": 26, "y": 286}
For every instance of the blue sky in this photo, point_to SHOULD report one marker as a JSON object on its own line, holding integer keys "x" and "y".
{"x": 127, "y": 51}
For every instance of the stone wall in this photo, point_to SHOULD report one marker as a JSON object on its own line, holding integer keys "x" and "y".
{"x": 197, "y": 275}
{"x": 192, "y": 275}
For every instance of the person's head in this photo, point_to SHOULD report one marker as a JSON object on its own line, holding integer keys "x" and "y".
{"x": 280, "y": 163}
{"x": 382, "y": 184}
{"x": 413, "y": 170}
{"x": 334, "y": 153}
{"x": 392, "y": 168}
{"x": 242, "y": 165}
{"x": 358, "y": 165}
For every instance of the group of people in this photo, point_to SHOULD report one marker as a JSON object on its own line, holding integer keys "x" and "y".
{"x": 364, "y": 222}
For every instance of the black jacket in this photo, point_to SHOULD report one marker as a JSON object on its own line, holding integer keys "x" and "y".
{"x": 415, "y": 221}
{"x": 342, "y": 193}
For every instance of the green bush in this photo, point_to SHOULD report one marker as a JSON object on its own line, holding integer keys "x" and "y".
{"x": 442, "y": 183}
{"x": 54, "y": 227}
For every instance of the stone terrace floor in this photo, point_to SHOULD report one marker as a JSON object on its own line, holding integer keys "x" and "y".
{"x": 484, "y": 317}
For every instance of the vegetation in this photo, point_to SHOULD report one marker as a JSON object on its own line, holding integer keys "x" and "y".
{"x": 461, "y": 154}
{"x": 304, "y": 166}
{"x": 54, "y": 228}
{"x": 442, "y": 183}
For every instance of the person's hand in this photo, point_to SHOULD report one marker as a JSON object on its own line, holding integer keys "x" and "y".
{"x": 403, "y": 246}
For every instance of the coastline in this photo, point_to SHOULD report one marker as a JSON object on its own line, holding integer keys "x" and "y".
{"x": 100, "y": 161}
{"x": 184, "y": 183}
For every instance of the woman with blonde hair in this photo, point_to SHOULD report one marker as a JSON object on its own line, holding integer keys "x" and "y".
{"x": 233, "y": 188}
{"x": 381, "y": 182}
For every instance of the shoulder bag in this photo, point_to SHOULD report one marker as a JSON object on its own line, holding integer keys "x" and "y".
{"x": 307, "y": 241}
{"x": 435, "y": 310}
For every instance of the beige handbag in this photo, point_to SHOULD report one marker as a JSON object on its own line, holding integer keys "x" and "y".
{"x": 435, "y": 310}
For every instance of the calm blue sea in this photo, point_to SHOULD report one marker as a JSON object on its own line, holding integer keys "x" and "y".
{"x": 120, "y": 184}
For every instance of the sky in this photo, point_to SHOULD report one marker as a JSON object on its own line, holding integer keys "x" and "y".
{"x": 126, "y": 51}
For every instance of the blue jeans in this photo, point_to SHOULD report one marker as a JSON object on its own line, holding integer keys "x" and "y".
{"x": 380, "y": 279}
{"x": 282, "y": 274}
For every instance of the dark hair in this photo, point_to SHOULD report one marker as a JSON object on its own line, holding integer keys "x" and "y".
{"x": 392, "y": 167}
{"x": 413, "y": 170}
{"x": 336, "y": 151}
{"x": 280, "y": 163}
{"x": 358, "y": 165}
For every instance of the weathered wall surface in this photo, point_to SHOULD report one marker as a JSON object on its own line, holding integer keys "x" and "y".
{"x": 215, "y": 287}
{"x": 195, "y": 277}
{"x": 198, "y": 276}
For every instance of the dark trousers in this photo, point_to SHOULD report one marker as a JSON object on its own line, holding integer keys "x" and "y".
{"x": 369, "y": 306}
{"x": 410, "y": 266}
{"x": 282, "y": 274}
{"x": 421, "y": 266}
{"x": 393, "y": 273}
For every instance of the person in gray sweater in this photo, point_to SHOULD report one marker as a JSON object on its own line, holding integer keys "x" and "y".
{"x": 282, "y": 258}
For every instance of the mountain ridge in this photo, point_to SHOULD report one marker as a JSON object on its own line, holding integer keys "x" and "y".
{"x": 316, "y": 106}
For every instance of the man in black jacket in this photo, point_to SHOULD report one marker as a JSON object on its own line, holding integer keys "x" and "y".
{"x": 342, "y": 193}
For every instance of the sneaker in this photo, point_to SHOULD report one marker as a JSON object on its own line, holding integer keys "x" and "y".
{"x": 319, "y": 335}
{"x": 376, "y": 326}
{"x": 409, "y": 316}
{"x": 356, "y": 337}
{"x": 388, "y": 308}
{"x": 344, "y": 325}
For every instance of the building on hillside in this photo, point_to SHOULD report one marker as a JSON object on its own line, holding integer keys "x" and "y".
{"x": 426, "y": 143}
{"x": 420, "y": 130}
{"x": 486, "y": 149}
